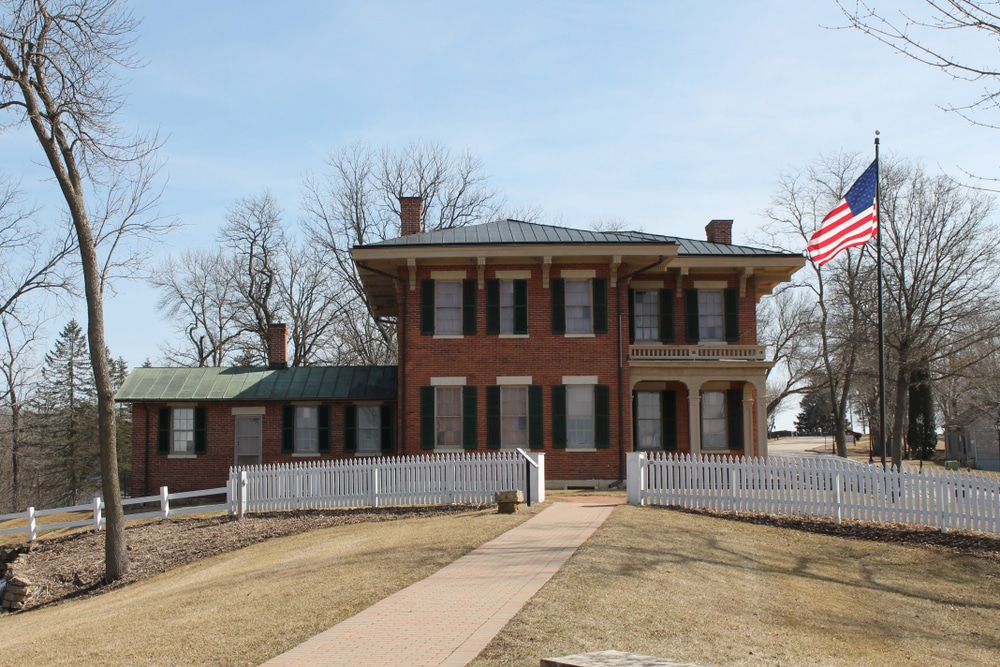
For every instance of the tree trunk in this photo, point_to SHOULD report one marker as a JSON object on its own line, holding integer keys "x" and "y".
{"x": 899, "y": 411}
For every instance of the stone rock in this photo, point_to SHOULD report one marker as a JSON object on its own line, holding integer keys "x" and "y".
{"x": 509, "y": 496}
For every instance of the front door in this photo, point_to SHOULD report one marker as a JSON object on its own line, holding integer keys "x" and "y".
{"x": 248, "y": 446}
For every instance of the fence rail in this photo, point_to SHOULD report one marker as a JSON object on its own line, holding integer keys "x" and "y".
{"x": 95, "y": 511}
{"x": 829, "y": 487}
{"x": 381, "y": 481}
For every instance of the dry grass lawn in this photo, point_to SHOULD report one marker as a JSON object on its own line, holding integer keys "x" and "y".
{"x": 243, "y": 607}
{"x": 719, "y": 592}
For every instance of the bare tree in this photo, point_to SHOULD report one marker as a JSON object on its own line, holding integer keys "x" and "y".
{"x": 62, "y": 62}
{"x": 309, "y": 302}
{"x": 802, "y": 200}
{"x": 787, "y": 327}
{"x": 199, "y": 295}
{"x": 357, "y": 202}
{"x": 18, "y": 373}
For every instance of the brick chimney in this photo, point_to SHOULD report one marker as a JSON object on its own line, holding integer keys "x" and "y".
{"x": 410, "y": 212}
{"x": 277, "y": 346}
{"x": 720, "y": 231}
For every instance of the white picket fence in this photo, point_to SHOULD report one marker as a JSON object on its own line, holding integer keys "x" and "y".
{"x": 94, "y": 511}
{"x": 820, "y": 486}
{"x": 385, "y": 481}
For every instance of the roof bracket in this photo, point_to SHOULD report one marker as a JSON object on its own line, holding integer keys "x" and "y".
{"x": 616, "y": 261}
{"x": 481, "y": 266}
{"x": 411, "y": 265}
{"x": 744, "y": 274}
{"x": 546, "y": 265}
{"x": 679, "y": 284}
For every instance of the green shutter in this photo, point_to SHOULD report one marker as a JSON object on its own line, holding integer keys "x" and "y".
{"x": 469, "y": 297}
{"x": 288, "y": 429}
{"x": 492, "y": 306}
{"x": 557, "y": 286}
{"x": 692, "y": 315}
{"x": 668, "y": 408}
{"x": 469, "y": 423}
{"x": 350, "y": 428}
{"x": 535, "y": 417}
{"x": 323, "y": 427}
{"x": 163, "y": 431}
{"x": 521, "y": 306}
{"x": 427, "y": 307}
{"x": 602, "y": 416}
{"x": 385, "y": 427}
{"x": 631, "y": 316}
{"x": 493, "y": 417}
{"x": 559, "y": 416}
{"x": 666, "y": 316}
{"x": 428, "y": 426}
{"x": 600, "y": 289}
{"x": 200, "y": 430}
{"x": 734, "y": 408}
{"x": 731, "y": 297}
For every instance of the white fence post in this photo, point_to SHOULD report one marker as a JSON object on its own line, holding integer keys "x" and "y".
{"x": 635, "y": 478}
{"x": 241, "y": 494}
{"x": 98, "y": 506}
{"x": 537, "y": 477}
{"x": 32, "y": 525}
{"x": 164, "y": 503}
{"x": 837, "y": 484}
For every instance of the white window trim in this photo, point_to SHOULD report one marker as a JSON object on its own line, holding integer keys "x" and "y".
{"x": 579, "y": 335}
{"x": 578, "y": 274}
{"x": 448, "y": 336}
{"x": 646, "y": 285}
{"x": 508, "y": 335}
{"x": 249, "y": 412}
{"x": 449, "y": 275}
{"x": 516, "y": 380}
{"x": 182, "y": 456}
{"x": 513, "y": 275}
{"x": 455, "y": 381}
{"x": 579, "y": 379}
{"x": 711, "y": 284}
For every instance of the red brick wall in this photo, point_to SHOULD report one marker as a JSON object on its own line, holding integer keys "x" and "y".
{"x": 545, "y": 356}
{"x": 209, "y": 470}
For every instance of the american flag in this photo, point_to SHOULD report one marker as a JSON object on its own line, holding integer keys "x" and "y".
{"x": 851, "y": 223}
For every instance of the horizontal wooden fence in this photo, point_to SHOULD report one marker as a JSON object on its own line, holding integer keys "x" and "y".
{"x": 378, "y": 481}
{"x": 94, "y": 511}
{"x": 817, "y": 486}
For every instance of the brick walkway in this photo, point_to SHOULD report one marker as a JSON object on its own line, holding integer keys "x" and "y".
{"x": 450, "y": 616}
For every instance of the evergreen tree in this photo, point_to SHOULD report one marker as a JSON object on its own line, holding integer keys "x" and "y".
{"x": 816, "y": 417}
{"x": 68, "y": 407}
{"x": 921, "y": 432}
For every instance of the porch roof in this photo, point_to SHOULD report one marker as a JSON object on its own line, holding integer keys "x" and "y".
{"x": 306, "y": 383}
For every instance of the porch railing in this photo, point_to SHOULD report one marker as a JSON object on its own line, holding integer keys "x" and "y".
{"x": 696, "y": 352}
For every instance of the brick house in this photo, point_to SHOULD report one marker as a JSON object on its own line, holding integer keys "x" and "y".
{"x": 582, "y": 344}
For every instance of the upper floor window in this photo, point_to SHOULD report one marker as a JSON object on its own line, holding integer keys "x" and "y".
{"x": 447, "y": 307}
{"x": 507, "y": 306}
{"x": 646, "y": 314}
{"x": 710, "y": 315}
{"x": 579, "y": 306}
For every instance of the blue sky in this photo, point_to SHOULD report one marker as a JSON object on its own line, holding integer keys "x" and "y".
{"x": 664, "y": 114}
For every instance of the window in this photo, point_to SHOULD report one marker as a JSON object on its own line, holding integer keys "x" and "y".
{"x": 514, "y": 416}
{"x": 369, "y": 429}
{"x": 306, "y": 430}
{"x": 710, "y": 315}
{"x": 649, "y": 420}
{"x": 647, "y": 315}
{"x": 507, "y": 307}
{"x": 714, "y": 434}
{"x": 448, "y": 307}
{"x": 448, "y": 417}
{"x": 578, "y": 307}
{"x": 183, "y": 431}
{"x": 580, "y": 416}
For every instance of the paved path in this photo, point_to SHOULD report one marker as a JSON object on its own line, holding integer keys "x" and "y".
{"x": 450, "y": 616}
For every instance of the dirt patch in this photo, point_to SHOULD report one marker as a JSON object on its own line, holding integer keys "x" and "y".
{"x": 71, "y": 567}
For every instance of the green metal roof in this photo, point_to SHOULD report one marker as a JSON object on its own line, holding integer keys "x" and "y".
{"x": 516, "y": 232}
{"x": 306, "y": 383}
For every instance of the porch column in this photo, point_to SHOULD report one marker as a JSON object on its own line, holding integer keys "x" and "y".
{"x": 762, "y": 423}
{"x": 694, "y": 420}
{"x": 751, "y": 445}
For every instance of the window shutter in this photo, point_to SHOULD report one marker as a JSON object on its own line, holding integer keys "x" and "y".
{"x": 163, "y": 431}
{"x": 469, "y": 435}
{"x": 734, "y": 408}
{"x": 631, "y": 316}
{"x": 521, "y": 306}
{"x": 602, "y": 416}
{"x": 492, "y": 306}
{"x": 559, "y": 416}
{"x": 288, "y": 429}
{"x": 535, "y": 417}
{"x": 731, "y": 297}
{"x": 600, "y": 289}
{"x": 385, "y": 430}
{"x": 428, "y": 426}
{"x": 692, "y": 315}
{"x": 557, "y": 286}
{"x": 323, "y": 427}
{"x": 493, "y": 417}
{"x": 666, "y": 316}
{"x": 668, "y": 408}
{"x": 350, "y": 428}
{"x": 200, "y": 430}
{"x": 427, "y": 307}
{"x": 469, "y": 307}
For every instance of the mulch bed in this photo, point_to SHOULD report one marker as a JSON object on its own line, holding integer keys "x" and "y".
{"x": 73, "y": 566}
